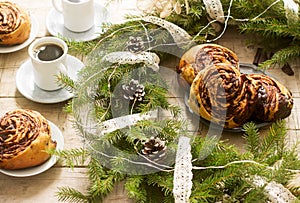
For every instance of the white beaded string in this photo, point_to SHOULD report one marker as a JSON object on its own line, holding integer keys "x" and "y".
{"x": 182, "y": 184}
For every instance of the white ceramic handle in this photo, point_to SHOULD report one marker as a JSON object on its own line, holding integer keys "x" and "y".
{"x": 57, "y": 6}
{"x": 63, "y": 69}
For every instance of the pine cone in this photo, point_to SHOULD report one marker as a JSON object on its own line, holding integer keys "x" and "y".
{"x": 133, "y": 90}
{"x": 154, "y": 148}
{"x": 135, "y": 44}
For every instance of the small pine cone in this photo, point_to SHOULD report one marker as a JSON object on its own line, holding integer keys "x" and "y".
{"x": 154, "y": 148}
{"x": 133, "y": 90}
{"x": 135, "y": 45}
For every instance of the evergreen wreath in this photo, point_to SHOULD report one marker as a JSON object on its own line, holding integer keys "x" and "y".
{"x": 225, "y": 175}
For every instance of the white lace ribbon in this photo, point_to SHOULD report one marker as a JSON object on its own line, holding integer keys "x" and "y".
{"x": 126, "y": 57}
{"x": 183, "y": 172}
{"x": 111, "y": 125}
{"x": 291, "y": 10}
{"x": 276, "y": 192}
{"x": 180, "y": 36}
{"x": 215, "y": 10}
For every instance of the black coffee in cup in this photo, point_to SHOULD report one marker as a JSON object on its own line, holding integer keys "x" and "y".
{"x": 48, "y": 52}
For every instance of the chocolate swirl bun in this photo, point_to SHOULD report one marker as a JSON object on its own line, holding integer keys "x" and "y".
{"x": 201, "y": 56}
{"x": 274, "y": 100}
{"x": 14, "y": 24}
{"x": 24, "y": 139}
{"x": 221, "y": 94}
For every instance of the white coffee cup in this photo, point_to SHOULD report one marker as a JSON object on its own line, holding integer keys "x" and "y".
{"x": 49, "y": 59}
{"x": 78, "y": 14}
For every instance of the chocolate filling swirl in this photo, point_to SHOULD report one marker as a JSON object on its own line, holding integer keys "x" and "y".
{"x": 10, "y": 17}
{"x": 15, "y": 24}
{"x": 24, "y": 132}
{"x": 201, "y": 56}
{"x": 224, "y": 95}
{"x": 274, "y": 100}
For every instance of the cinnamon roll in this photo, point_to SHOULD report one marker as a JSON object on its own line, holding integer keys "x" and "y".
{"x": 201, "y": 56}
{"x": 222, "y": 95}
{"x": 274, "y": 99}
{"x": 15, "y": 24}
{"x": 25, "y": 137}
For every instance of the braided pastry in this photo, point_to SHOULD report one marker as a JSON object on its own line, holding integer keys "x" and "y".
{"x": 201, "y": 56}
{"x": 274, "y": 100}
{"x": 24, "y": 139}
{"x": 220, "y": 93}
{"x": 15, "y": 24}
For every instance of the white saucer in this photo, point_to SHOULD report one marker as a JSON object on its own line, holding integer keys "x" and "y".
{"x": 55, "y": 25}
{"x": 57, "y": 136}
{"x": 26, "y": 86}
{"x": 33, "y": 33}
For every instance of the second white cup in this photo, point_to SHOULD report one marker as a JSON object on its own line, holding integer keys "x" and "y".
{"x": 49, "y": 58}
{"x": 78, "y": 14}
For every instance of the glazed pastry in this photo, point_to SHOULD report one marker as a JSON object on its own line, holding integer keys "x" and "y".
{"x": 221, "y": 94}
{"x": 201, "y": 56}
{"x": 25, "y": 136}
{"x": 15, "y": 24}
{"x": 274, "y": 100}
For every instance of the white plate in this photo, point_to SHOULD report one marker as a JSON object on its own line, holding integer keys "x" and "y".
{"x": 55, "y": 25}
{"x": 33, "y": 33}
{"x": 26, "y": 86}
{"x": 57, "y": 136}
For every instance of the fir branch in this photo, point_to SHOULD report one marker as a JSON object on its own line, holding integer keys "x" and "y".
{"x": 135, "y": 190}
{"x": 272, "y": 145}
{"x": 212, "y": 183}
{"x": 113, "y": 137}
{"x": 253, "y": 138}
{"x": 102, "y": 180}
{"x": 156, "y": 97}
{"x": 71, "y": 157}
{"x": 66, "y": 82}
{"x": 282, "y": 56}
{"x": 68, "y": 107}
{"x": 80, "y": 47}
{"x": 267, "y": 28}
{"x": 209, "y": 185}
{"x": 162, "y": 180}
{"x": 68, "y": 194}
{"x": 245, "y": 9}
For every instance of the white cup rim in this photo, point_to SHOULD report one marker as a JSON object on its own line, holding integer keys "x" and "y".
{"x": 49, "y": 40}
{"x": 75, "y": 3}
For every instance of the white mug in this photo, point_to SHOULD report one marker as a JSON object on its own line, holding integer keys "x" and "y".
{"x": 78, "y": 14}
{"x": 49, "y": 58}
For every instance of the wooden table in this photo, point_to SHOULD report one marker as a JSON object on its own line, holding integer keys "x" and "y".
{"x": 43, "y": 187}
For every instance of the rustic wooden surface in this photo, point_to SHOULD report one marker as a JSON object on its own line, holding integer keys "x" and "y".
{"x": 43, "y": 187}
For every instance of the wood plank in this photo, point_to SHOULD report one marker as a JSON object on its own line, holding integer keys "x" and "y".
{"x": 291, "y": 82}
{"x": 44, "y": 187}
{"x": 239, "y": 44}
